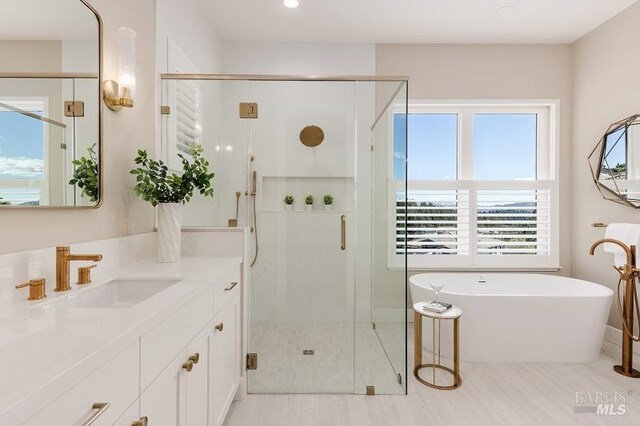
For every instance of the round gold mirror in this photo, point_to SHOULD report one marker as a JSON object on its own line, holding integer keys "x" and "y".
{"x": 311, "y": 136}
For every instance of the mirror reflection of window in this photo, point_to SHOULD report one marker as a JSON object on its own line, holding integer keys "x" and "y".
{"x": 633, "y": 152}
{"x": 614, "y": 160}
{"x": 23, "y": 154}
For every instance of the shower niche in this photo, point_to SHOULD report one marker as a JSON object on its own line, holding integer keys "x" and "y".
{"x": 274, "y": 189}
{"x": 311, "y": 298}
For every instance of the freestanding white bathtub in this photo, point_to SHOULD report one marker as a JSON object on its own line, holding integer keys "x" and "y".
{"x": 516, "y": 317}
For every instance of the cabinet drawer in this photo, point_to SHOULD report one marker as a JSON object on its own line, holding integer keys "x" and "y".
{"x": 115, "y": 383}
{"x": 227, "y": 288}
{"x": 160, "y": 345}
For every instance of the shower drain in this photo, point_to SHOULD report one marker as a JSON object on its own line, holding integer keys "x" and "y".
{"x": 308, "y": 352}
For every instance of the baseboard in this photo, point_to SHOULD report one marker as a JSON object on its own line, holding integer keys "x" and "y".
{"x": 613, "y": 342}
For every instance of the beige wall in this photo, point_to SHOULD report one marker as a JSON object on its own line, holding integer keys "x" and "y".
{"x": 607, "y": 89}
{"x": 491, "y": 72}
{"x": 124, "y": 132}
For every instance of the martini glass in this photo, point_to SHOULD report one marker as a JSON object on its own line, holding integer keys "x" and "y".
{"x": 436, "y": 286}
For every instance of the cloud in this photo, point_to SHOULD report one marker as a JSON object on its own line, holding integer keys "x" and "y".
{"x": 21, "y": 168}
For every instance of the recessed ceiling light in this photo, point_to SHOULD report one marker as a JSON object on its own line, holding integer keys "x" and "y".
{"x": 291, "y": 4}
{"x": 506, "y": 11}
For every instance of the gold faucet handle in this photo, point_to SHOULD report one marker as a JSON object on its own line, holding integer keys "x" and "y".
{"x": 84, "y": 274}
{"x": 37, "y": 289}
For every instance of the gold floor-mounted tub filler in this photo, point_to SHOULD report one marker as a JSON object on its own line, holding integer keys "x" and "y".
{"x": 628, "y": 274}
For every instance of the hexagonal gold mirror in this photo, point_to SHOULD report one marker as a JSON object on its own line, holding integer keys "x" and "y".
{"x": 615, "y": 162}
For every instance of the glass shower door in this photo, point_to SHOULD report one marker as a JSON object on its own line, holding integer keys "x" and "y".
{"x": 389, "y": 232}
{"x": 303, "y": 144}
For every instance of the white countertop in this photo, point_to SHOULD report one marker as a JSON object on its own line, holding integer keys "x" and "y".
{"x": 44, "y": 351}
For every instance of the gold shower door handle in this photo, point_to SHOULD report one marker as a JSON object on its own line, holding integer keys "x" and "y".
{"x": 343, "y": 232}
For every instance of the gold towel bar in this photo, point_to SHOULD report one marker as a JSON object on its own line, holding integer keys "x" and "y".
{"x": 599, "y": 225}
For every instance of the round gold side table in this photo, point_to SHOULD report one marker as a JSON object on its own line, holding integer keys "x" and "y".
{"x": 454, "y": 313}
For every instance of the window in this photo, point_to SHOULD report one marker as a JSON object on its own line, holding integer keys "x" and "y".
{"x": 23, "y": 151}
{"x": 482, "y": 188}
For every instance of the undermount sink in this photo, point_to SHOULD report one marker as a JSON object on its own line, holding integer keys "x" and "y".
{"x": 119, "y": 293}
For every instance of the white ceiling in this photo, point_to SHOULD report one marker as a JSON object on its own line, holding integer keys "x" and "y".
{"x": 47, "y": 20}
{"x": 417, "y": 21}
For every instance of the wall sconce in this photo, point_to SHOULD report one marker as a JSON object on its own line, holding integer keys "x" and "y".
{"x": 118, "y": 94}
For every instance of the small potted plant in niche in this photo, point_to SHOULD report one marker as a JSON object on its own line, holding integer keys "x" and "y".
{"x": 168, "y": 191}
{"x": 288, "y": 202}
{"x": 86, "y": 175}
{"x": 308, "y": 201}
{"x": 328, "y": 202}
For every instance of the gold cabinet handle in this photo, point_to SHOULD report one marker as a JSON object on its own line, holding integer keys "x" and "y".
{"x": 195, "y": 358}
{"x": 219, "y": 327}
{"x": 188, "y": 366}
{"x": 142, "y": 422}
{"x": 231, "y": 286}
{"x": 100, "y": 408}
{"x": 343, "y": 232}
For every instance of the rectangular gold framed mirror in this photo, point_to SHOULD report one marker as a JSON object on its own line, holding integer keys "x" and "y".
{"x": 50, "y": 105}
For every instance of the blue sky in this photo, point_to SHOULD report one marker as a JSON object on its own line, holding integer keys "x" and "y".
{"x": 21, "y": 146}
{"x": 616, "y": 148}
{"x": 504, "y": 146}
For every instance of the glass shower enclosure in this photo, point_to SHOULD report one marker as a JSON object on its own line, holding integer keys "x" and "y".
{"x": 313, "y": 166}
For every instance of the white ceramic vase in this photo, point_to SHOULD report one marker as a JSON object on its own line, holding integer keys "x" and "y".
{"x": 327, "y": 207}
{"x": 308, "y": 207}
{"x": 169, "y": 232}
{"x": 288, "y": 207}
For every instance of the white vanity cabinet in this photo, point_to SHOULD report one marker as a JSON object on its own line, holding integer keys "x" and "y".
{"x": 225, "y": 360}
{"x": 112, "y": 388}
{"x": 199, "y": 384}
{"x": 184, "y": 370}
{"x": 163, "y": 402}
{"x": 197, "y": 387}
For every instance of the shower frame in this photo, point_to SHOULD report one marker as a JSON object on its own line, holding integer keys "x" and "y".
{"x": 402, "y": 89}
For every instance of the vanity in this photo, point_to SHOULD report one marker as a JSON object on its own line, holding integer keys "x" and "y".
{"x": 156, "y": 343}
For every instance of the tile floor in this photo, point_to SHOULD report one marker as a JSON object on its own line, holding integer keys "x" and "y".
{"x": 491, "y": 394}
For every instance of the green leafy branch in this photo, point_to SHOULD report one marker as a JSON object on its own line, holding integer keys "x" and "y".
{"x": 156, "y": 185}
{"x": 86, "y": 175}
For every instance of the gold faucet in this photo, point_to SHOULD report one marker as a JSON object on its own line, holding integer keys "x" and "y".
{"x": 63, "y": 258}
{"x": 628, "y": 273}
{"x": 628, "y": 269}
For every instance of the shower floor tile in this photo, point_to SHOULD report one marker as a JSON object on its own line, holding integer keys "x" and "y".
{"x": 335, "y": 367}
